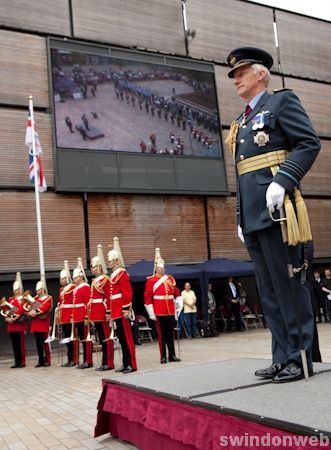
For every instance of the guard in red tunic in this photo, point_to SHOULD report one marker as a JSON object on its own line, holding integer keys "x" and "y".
{"x": 160, "y": 298}
{"x": 39, "y": 308}
{"x": 81, "y": 298}
{"x": 16, "y": 323}
{"x": 98, "y": 310}
{"x": 121, "y": 307}
{"x": 65, "y": 308}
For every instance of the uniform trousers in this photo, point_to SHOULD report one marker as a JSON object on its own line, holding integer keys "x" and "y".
{"x": 165, "y": 334}
{"x": 66, "y": 328}
{"x": 43, "y": 348}
{"x": 267, "y": 251}
{"x": 124, "y": 334}
{"x": 18, "y": 343}
{"x": 233, "y": 309}
{"x": 81, "y": 330}
{"x": 103, "y": 331}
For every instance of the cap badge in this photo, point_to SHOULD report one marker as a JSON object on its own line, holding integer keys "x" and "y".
{"x": 233, "y": 60}
{"x": 261, "y": 138}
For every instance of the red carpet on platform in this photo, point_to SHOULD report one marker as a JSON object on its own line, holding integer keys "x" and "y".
{"x": 151, "y": 419}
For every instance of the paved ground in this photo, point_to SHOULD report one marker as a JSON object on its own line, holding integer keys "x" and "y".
{"x": 55, "y": 408}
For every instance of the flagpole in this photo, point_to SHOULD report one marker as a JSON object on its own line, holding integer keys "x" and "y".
{"x": 36, "y": 190}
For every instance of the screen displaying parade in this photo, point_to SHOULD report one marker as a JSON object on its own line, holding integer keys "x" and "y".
{"x": 113, "y": 104}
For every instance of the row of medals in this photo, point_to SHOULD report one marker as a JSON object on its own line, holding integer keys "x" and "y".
{"x": 261, "y": 138}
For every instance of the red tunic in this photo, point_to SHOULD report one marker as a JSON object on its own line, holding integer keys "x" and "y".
{"x": 99, "y": 302}
{"x": 66, "y": 302}
{"x": 41, "y": 323}
{"x": 18, "y": 325}
{"x": 81, "y": 297}
{"x": 120, "y": 292}
{"x": 161, "y": 291}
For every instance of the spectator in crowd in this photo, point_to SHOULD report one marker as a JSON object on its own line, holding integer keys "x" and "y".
{"x": 242, "y": 293}
{"x": 308, "y": 255}
{"x": 320, "y": 297}
{"x": 211, "y": 323}
{"x": 232, "y": 296}
{"x": 326, "y": 287}
{"x": 190, "y": 311}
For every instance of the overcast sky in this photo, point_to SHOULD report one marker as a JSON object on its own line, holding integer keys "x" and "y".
{"x": 313, "y": 8}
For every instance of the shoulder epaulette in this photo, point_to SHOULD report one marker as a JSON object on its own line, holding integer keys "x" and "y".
{"x": 275, "y": 91}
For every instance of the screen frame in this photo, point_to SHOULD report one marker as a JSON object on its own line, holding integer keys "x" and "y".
{"x": 165, "y": 60}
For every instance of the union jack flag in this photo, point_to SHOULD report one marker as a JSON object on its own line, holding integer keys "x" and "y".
{"x": 42, "y": 186}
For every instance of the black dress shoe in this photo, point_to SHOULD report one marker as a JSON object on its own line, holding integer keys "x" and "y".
{"x": 120, "y": 369}
{"x": 39, "y": 365}
{"x": 174, "y": 359}
{"x": 68, "y": 364}
{"x": 103, "y": 368}
{"x": 128, "y": 370}
{"x": 270, "y": 372}
{"x": 46, "y": 364}
{"x": 163, "y": 361}
{"x": 84, "y": 366}
{"x": 291, "y": 372}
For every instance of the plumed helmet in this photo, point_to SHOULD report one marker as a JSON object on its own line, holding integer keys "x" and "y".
{"x": 79, "y": 270}
{"x": 65, "y": 272}
{"x": 42, "y": 284}
{"x": 102, "y": 258}
{"x": 115, "y": 253}
{"x": 158, "y": 260}
{"x": 18, "y": 282}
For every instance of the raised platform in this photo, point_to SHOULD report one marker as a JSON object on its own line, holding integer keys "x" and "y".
{"x": 224, "y": 398}
{"x": 92, "y": 133}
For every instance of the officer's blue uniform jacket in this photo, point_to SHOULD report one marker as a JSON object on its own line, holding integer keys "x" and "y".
{"x": 286, "y": 126}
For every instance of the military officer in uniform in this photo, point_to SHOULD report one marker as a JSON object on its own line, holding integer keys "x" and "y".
{"x": 65, "y": 307}
{"x": 39, "y": 310}
{"x": 161, "y": 295}
{"x": 98, "y": 309}
{"x": 81, "y": 297}
{"x": 121, "y": 307}
{"x": 16, "y": 323}
{"x": 273, "y": 145}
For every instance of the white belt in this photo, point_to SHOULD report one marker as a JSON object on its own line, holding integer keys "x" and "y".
{"x": 72, "y": 305}
{"x": 163, "y": 297}
{"x": 97, "y": 300}
{"x": 115, "y": 296}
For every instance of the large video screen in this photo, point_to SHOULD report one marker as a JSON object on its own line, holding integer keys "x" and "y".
{"x": 123, "y": 104}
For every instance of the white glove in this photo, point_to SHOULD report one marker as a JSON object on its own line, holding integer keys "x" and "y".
{"x": 240, "y": 234}
{"x": 275, "y": 196}
{"x": 150, "y": 312}
{"x": 179, "y": 302}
